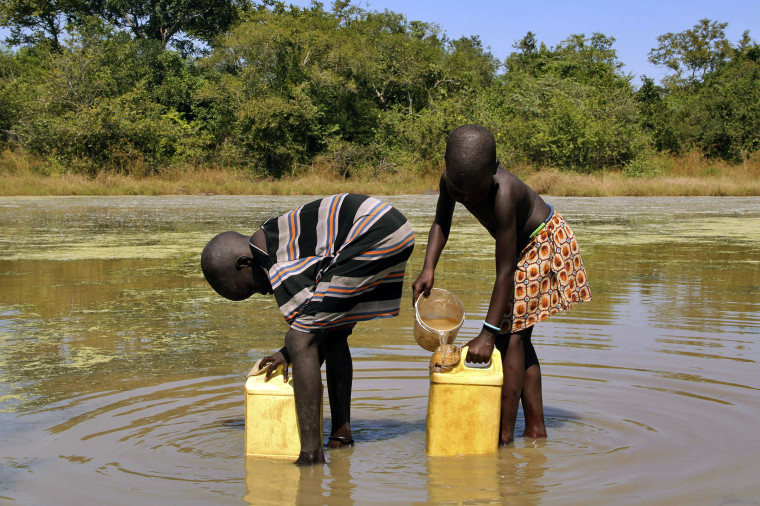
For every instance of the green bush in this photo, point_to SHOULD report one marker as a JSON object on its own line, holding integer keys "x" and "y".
{"x": 371, "y": 91}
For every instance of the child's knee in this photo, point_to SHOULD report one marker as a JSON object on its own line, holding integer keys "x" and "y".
{"x": 296, "y": 341}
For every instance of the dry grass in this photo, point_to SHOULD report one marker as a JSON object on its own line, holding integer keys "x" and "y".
{"x": 206, "y": 181}
{"x": 615, "y": 184}
{"x": 689, "y": 175}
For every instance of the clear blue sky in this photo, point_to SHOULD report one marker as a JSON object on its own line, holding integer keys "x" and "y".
{"x": 635, "y": 24}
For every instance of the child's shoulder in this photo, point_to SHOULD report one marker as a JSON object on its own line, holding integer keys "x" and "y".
{"x": 513, "y": 192}
{"x": 503, "y": 176}
{"x": 508, "y": 183}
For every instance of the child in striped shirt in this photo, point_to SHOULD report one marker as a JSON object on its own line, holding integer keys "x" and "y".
{"x": 329, "y": 264}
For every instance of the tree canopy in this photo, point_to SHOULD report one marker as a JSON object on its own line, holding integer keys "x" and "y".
{"x": 120, "y": 85}
{"x": 693, "y": 53}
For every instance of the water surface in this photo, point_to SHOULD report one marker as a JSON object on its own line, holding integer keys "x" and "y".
{"x": 121, "y": 371}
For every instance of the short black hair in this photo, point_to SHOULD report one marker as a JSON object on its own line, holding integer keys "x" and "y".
{"x": 470, "y": 152}
{"x": 219, "y": 264}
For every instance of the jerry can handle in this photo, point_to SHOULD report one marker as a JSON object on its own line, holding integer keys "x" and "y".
{"x": 488, "y": 366}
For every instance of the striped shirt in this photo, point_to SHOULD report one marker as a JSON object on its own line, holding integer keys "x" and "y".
{"x": 337, "y": 261}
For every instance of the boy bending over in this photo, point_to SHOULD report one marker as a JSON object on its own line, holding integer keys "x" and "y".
{"x": 539, "y": 271}
{"x": 330, "y": 263}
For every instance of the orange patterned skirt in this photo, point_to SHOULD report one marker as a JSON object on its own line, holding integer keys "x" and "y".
{"x": 549, "y": 277}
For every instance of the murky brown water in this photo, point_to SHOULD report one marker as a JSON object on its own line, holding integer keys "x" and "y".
{"x": 121, "y": 372}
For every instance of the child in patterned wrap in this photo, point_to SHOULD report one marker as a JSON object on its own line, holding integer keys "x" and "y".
{"x": 329, "y": 264}
{"x": 539, "y": 270}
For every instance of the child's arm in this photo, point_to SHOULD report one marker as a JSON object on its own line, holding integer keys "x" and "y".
{"x": 437, "y": 237}
{"x": 481, "y": 348}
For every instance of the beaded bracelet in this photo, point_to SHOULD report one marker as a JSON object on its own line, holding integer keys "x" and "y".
{"x": 493, "y": 328}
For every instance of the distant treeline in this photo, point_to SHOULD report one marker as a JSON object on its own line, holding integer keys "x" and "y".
{"x": 143, "y": 86}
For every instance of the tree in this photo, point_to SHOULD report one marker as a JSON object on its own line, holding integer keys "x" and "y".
{"x": 469, "y": 65}
{"x": 656, "y": 117}
{"x": 570, "y": 106}
{"x": 164, "y": 20}
{"x": 693, "y": 53}
{"x": 10, "y": 72}
{"x": 529, "y": 57}
{"x": 729, "y": 107}
{"x": 590, "y": 60}
{"x": 585, "y": 59}
{"x": 31, "y": 21}
{"x": 283, "y": 85}
{"x": 105, "y": 101}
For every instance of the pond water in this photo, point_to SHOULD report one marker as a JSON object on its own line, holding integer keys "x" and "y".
{"x": 121, "y": 372}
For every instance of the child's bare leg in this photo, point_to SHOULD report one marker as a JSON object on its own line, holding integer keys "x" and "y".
{"x": 533, "y": 404}
{"x": 514, "y": 372}
{"x": 339, "y": 372}
{"x": 532, "y": 398}
{"x": 307, "y": 386}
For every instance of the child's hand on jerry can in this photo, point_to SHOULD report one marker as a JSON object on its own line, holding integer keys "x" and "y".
{"x": 480, "y": 349}
{"x": 269, "y": 364}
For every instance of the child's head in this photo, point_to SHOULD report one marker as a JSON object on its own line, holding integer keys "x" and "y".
{"x": 230, "y": 269}
{"x": 470, "y": 162}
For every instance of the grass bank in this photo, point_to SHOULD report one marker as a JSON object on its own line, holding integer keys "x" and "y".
{"x": 689, "y": 175}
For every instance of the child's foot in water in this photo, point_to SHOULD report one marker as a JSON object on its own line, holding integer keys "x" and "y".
{"x": 339, "y": 442}
{"x": 310, "y": 458}
{"x": 534, "y": 433}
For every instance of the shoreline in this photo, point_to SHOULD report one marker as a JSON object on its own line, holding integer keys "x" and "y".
{"x": 728, "y": 181}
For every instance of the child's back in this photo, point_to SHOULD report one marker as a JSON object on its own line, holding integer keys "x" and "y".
{"x": 511, "y": 196}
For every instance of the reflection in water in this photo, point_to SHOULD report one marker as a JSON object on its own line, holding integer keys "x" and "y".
{"x": 121, "y": 374}
{"x": 457, "y": 480}
{"x": 513, "y": 476}
{"x": 270, "y": 481}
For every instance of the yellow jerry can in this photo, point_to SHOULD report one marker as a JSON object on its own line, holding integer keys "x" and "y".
{"x": 464, "y": 408}
{"x": 271, "y": 425}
